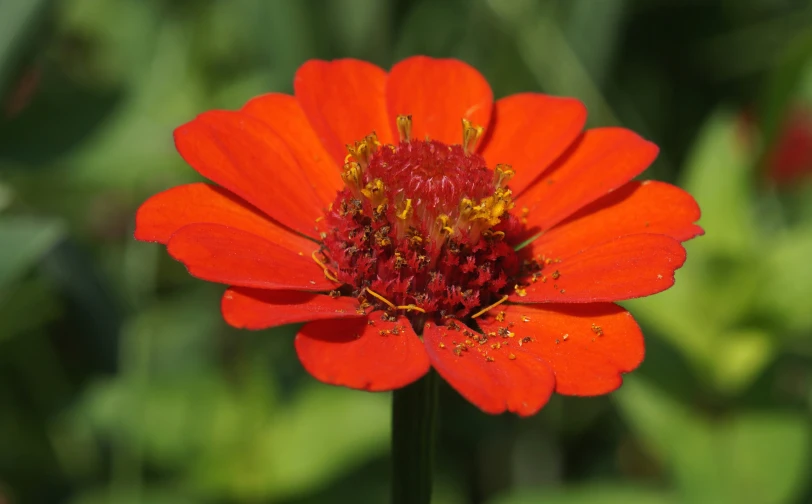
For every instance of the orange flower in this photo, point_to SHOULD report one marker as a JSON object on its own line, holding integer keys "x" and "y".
{"x": 385, "y": 210}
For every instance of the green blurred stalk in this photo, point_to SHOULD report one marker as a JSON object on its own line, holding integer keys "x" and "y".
{"x": 413, "y": 419}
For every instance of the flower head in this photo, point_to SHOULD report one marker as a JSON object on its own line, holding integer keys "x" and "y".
{"x": 411, "y": 222}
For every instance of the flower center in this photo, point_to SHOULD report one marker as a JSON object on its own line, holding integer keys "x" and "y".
{"x": 421, "y": 227}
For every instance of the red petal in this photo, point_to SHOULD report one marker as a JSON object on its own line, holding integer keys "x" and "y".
{"x": 362, "y": 354}
{"x": 514, "y": 380}
{"x": 530, "y": 131}
{"x": 285, "y": 117}
{"x": 638, "y": 207}
{"x": 246, "y": 157}
{"x": 259, "y": 309}
{"x": 438, "y": 93}
{"x": 231, "y": 256}
{"x": 587, "y": 346}
{"x": 344, "y": 102}
{"x": 601, "y": 161}
{"x": 163, "y": 214}
{"x": 629, "y": 267}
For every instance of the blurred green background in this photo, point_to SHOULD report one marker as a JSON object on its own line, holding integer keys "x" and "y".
{"x": 120, "y": 383}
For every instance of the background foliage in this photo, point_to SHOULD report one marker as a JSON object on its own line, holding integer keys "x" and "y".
{"x": 119, "y": 382}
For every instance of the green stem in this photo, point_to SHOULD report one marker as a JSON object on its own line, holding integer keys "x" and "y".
{"x": 413, "y": 412}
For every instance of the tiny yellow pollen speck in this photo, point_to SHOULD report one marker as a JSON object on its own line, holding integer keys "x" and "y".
{"x": 565, "y": 337}
{"x": 525, "y": 318}
{"x": 659, "y": 277}
{"x": 441, "y": 345}
{"x": 489, "y": 359}
{"x": 512, "y": 356}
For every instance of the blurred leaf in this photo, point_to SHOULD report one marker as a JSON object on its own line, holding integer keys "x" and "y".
{"x": 717, "y": 174}
{"x": 593, "y": 29}
{"x": 792, "y": 72}
{"x": 153, "y": 495}
{"x": 592, "y": 493}
{"x": 550, "y": 57}
{"x": 750, "y": 457}
{"x": 16, "y": 18}
{"x": 325, "y": 432}
{"x": 740, "y": 356}
{"x": 25, "y": 241}
{"x": 26, "y": 306}
{"x": 787, "y": 286}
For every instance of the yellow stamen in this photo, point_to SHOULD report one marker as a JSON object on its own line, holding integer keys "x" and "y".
{"x": 470, "y": 135}
{"x": 372, "y": 141}
{"x": 375, "y": 191}
{"x": 352, "y": 174}
{"x": 407, "y": 210}
{"x": 382, "y": 299}
{"x": 404, "y": 123}
{"x": 412, "y": 308}
{"x": 327, "y": 272}
{"x": 491, "y": 307}
{"x": 502, "y": 173}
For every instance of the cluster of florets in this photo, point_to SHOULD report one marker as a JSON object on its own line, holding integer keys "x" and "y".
{"x": 421, "y": 227}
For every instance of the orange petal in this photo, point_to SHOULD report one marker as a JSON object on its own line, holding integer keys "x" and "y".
{"x": 231, "y": 256}
{"x": 344, "y": 102}
{"x": 246, "y": 157}
{"x": 368, "y": 354}
{"x": 285, "y": 117}
{"x": 602, "y": 160}
{"x": 438, "y": 94}
{"x": 163, "y": 214}
{"x": 638, "y": 207}
{"x": 628, "y": 267}
{"x": 495, "y": 379}
{"x": 529, "y": 131}
{"x": 587, "y": 346}
{"x": 260, "y": 309}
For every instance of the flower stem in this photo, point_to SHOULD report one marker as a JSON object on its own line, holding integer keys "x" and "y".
{"x": 413, "y": 411}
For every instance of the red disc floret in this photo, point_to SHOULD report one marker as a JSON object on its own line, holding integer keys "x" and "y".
{"x": 434, "y": 175}
{"x": 387, "y": 245}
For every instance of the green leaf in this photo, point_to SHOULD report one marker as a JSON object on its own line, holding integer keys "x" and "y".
{"x": 589, "y": 494}
{"x": 717, "y": 174}
{"x": 787, "y": 284}
{"x": 26, "y": 306}
{"x": 325, "y": 432}
{"x": 749, "y": 457}
{"x": 25, "y": 241}
{"x": 16, "y": 19}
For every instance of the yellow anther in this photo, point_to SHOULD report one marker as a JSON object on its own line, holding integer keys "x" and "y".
{"x": 404, "y": 123}
{"x": 502, "y": 173}
{"x": 374, "y": 191}
{"x": 470, "y": 135}
{"x": 382, "y": 299}
{"x": 407, "y": 210}
{"x": 327, "y": 273}
{"x": 520, "y": 291}
{"x": 362, "y": 151}
{"x": 491, "y": 307}
{"x": 411, "y": 307}
{"x": 352, "y": 174}
{"x": 493, "y": 235}
{"x": 372, "y": 141}
{"x": 442, "y": 225}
